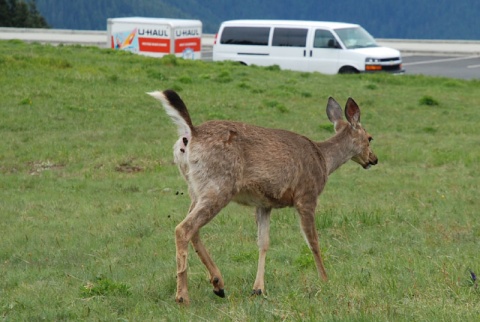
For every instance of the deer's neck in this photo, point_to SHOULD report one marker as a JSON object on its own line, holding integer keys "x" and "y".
{"x": 337, "y": 150}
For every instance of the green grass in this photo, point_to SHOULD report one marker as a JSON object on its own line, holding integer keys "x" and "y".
{"x": 89, "y": 196}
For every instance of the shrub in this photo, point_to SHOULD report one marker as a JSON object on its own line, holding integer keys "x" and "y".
{"x": 429, "y": 101}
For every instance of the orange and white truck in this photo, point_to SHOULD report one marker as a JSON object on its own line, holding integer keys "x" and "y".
{"x": 156, "y": 37}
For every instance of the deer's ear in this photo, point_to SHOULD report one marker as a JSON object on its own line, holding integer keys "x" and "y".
{"x": 334, "y": 110}
{"x": 352, "y": 112}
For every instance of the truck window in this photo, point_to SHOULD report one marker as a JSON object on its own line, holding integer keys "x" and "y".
{"x": 323, "y": 39}
{"x": 289, "y": 37}
{"x": 257, "y": 36}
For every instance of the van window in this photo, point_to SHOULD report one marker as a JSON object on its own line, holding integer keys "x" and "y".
{"x": 289, "y": 37}
{"x": 323, "y": 39}
{"x": 245, "y": 36}
{"x": 356, "y": 38}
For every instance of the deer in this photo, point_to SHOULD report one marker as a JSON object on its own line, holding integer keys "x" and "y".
{"x": 224, "y": 161}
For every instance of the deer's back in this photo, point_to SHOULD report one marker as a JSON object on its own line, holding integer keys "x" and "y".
{"x": 263, "y": 167}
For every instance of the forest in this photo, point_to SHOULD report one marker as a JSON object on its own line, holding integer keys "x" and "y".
{"x": 18, "y": 13}
{"x": 407, "y": 19}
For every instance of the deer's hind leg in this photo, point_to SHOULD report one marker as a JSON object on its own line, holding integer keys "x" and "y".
{"x": 215, "y": 275}
{"x": 203, "y": 209}
{"x": 214, "y": 168}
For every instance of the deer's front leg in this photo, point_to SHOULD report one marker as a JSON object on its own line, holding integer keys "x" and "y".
{"x": 307, "y": 223}
{"x": 263, "y": 225}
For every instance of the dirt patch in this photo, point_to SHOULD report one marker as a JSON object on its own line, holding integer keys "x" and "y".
{"x": 128, "y": 167}
{"x": 37, "y": 167}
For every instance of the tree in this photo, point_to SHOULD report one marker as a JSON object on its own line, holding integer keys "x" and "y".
{"x": 4, "y": 13}
{"x": 18, "y": 13}
{"x": 36, "y": 20}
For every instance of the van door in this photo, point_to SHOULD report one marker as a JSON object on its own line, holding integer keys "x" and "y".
{"x": 324, "y": 51}
{"x": 289, "y": 48}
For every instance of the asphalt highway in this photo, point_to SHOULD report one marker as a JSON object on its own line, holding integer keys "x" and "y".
{"x": 462, "y": 67}
{"x": 451, "y": 66}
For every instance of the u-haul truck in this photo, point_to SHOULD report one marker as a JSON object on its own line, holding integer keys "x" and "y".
{"x": 156, "y": 36}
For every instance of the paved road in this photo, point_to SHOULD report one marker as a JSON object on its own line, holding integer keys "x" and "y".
{"x": 456, "y": 59}
{"x": 463, "y": 67}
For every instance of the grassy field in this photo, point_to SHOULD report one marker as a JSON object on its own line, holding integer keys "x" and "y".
{"x": 89, "y": 196}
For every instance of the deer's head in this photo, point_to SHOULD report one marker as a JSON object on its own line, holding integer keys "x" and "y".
{"x": 360, "y": 138}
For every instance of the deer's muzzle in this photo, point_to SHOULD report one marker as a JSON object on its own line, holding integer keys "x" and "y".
{"x": 372, "y": 160}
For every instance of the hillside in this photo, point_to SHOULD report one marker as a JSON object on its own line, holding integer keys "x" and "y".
{"x": 430, "y": 19}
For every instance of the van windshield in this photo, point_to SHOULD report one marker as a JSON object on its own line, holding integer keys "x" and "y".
{"x": 356, "y": 37}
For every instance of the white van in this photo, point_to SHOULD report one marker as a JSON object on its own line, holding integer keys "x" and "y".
{"x": 325, "y": 47}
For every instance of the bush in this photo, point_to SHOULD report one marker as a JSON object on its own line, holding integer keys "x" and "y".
{"x": 429, "y": 101}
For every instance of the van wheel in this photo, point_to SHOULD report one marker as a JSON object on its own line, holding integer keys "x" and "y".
{"x": 347, "y": 70}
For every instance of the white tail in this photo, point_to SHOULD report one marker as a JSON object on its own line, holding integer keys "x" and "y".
{"x": 225, "y": 161}
{"x": 181, "y": 120}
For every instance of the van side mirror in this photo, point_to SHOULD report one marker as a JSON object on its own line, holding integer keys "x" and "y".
{"x": 332, "y": 43}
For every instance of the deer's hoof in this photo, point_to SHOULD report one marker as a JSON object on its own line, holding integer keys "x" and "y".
{"x": 220, "y": 292}
{"x": 182, "y": 301}
{"x": 256, "y": 292}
